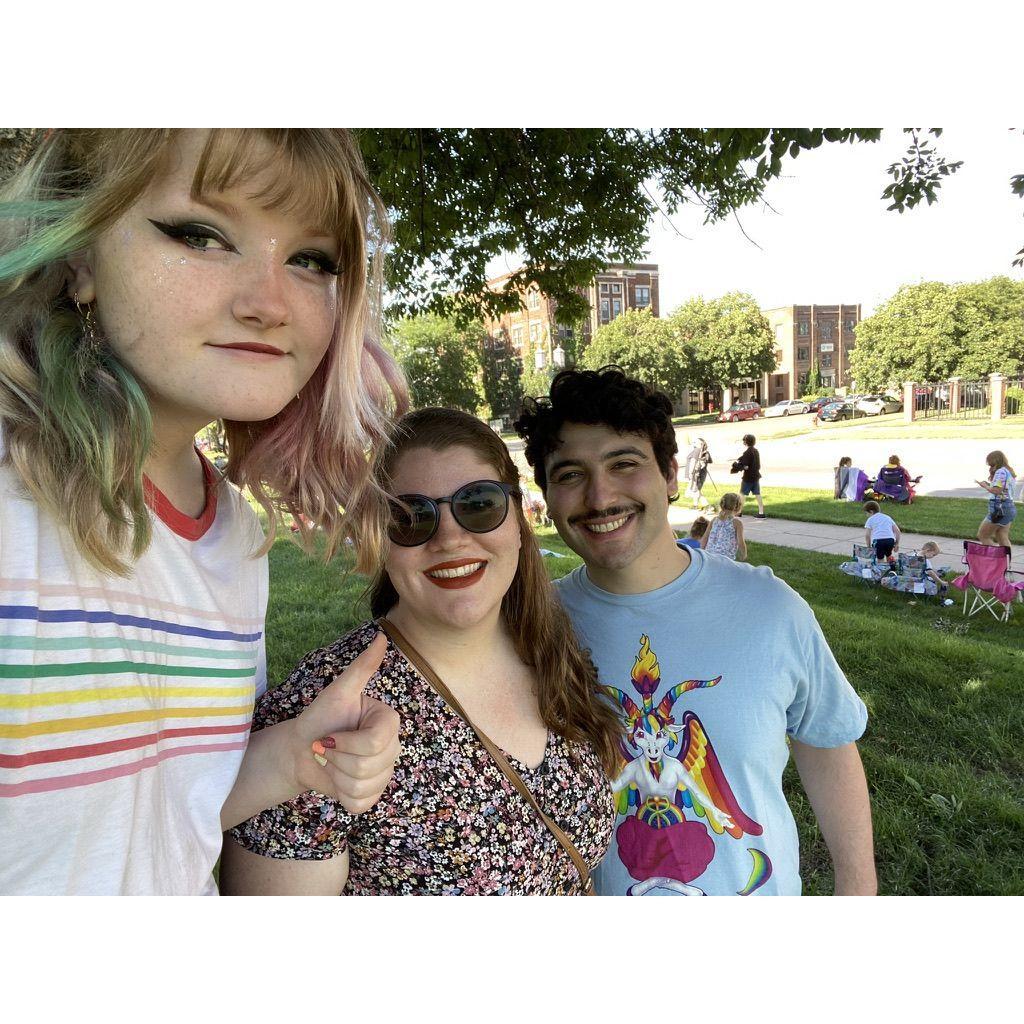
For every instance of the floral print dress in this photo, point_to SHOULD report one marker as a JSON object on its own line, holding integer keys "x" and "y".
{"x": 449, "y": 822}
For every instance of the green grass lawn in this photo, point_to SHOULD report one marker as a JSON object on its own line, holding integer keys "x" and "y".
{"x": 941, "y": 517}
{"x": 944, "y": 750}
{"x": 892, "y": 428}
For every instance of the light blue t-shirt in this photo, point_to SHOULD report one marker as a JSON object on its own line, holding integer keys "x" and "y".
{"x": 710, "y": 674}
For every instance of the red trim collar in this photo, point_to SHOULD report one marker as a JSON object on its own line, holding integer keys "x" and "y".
{"x": 181, "y": 524}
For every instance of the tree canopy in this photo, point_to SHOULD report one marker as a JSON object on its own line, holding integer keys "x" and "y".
{"x": 642, "y": 344}
{"x": 933, "y": 331}
{"x": 723, "y": 340}
{"x": 440, "y": 360}
{"x": 571, "y": 200}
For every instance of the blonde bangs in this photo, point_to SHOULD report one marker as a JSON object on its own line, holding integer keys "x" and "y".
{"x": 315, "y": 178}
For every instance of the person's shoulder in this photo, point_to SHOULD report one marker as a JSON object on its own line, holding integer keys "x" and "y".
{"x": 754, "y": 585}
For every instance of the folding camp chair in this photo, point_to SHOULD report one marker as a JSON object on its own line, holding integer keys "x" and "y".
{"x": 987, "y": 583}
{"x": 863, "y": 565}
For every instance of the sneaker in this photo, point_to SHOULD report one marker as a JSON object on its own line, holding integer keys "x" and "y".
{"x": 760, "y": 515}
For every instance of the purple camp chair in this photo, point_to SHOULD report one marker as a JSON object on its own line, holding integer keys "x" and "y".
{"x": 986, "y": 584}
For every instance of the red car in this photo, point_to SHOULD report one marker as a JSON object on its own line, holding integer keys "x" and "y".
{"x": 740, "y": 411}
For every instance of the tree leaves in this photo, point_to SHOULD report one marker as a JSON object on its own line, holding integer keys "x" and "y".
{"x": 933, "y": 331}
{"x": 703, "y": 344}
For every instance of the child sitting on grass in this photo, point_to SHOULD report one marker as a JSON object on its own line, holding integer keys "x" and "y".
{"x": 929, "y": 551}
{"x": 697, "y": 530}
{"x": 725, "y": 534}
{"x": 881, "y": 532}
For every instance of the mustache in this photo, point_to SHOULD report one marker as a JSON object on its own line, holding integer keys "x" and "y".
{"x": 614, "y": 510}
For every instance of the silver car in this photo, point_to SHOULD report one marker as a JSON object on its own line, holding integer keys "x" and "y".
{"x": 787, "y": 407}
{"x": 875, "y": 405}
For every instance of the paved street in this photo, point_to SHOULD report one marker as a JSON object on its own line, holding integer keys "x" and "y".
{"x": 948, "y": 467}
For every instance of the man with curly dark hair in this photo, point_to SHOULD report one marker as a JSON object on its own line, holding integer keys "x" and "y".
{"x": 720, "y": 670}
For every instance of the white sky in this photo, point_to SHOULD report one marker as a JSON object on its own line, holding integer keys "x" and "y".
{"x": 832, "y": 239}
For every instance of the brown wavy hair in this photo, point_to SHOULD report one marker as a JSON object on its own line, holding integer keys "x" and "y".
{"x": 540, "y": 629}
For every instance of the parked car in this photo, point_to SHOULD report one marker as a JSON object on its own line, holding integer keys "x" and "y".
{"x": 875, "y": 405}
{"x": 820, "y": 403}
{"x": 740, "y": 411}
{"x": 787, "y": 407}
{"x": 838, "y": 411}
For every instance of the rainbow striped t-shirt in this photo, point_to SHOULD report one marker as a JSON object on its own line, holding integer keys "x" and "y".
{"x": 125, "y": 703}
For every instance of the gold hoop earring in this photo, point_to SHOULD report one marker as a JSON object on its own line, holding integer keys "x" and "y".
{"x": 90, "y": 332}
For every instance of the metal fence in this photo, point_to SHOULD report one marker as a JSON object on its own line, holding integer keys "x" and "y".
{"x": 941, "y": 400}
{"x": 1015, "y": 397}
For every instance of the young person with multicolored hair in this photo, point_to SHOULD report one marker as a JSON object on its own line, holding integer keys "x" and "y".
{"x": 153, "y": 281}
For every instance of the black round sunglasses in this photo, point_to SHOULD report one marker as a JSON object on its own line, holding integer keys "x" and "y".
{"x": 479, "y": 507}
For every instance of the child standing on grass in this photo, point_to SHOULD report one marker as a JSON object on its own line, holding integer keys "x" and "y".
{"x": 880, "y": 531}
{"x": 725, "y": 534}
{"x": 697, "y": 530}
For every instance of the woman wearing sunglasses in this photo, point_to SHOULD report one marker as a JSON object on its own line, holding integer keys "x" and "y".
{"x": 502, "y": 783}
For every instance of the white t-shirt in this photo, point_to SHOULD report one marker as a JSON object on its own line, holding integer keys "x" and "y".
{"x": 126, "y": 702}
{"x": 881, "y": 527}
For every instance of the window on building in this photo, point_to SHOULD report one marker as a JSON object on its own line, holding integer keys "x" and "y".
{"x": 564, "y": 333}
{"x": 604, "y": 310}
{"x": 803, "y": 377}
{"x": 825, "y": 330}
{"x": 778, "y": 356}
{"x": 826, "y": 360}
{"x": 850, "y": 324}
{"x": 533, "y": 299}
{"x": 616, "y": 288}
{"x": 643, "y": 297}
{"x": 517, "y": 337}
{"x": 803, "y": 328}
{"x": 534, "y": 332}
{"x": 616, "y": 307}
{"x": 604, "y": 287}
{"x": 802, "y": 354}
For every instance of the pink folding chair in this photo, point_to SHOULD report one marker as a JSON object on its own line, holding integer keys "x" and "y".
{"x": 987, "y": 583}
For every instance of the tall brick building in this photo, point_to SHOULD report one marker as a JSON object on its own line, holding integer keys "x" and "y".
{"x": 805, "y": 335}
{"x": 534, "y": 330}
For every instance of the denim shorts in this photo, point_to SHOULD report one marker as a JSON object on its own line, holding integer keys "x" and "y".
{"x": 750, "y": 487}
{"x": 1005, "y": 507}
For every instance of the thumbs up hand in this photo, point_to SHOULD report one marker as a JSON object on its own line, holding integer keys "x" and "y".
{"x": 349, "y": 742}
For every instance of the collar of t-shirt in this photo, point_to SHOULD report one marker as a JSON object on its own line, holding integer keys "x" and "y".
{"x": 176, "y": 520}
{"x": 685, "y": 581}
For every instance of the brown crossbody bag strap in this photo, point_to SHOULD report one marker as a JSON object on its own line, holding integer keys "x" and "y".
{"x": 396, "y": 636}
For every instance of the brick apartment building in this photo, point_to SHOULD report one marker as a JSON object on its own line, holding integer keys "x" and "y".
{"x": 534, "y": 331}
{"x": 805, "y": 335}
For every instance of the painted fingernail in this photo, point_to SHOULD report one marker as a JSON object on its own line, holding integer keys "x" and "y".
{"x": 320, "y": 760}
{"x": 327, "y": 741}
{"x": 319, "y": 748}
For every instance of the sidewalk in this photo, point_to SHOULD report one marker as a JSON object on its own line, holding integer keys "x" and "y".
{"x": 828, "y": 538}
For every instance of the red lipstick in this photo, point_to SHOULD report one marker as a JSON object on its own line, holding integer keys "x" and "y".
{"x": 456, "y": 582}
